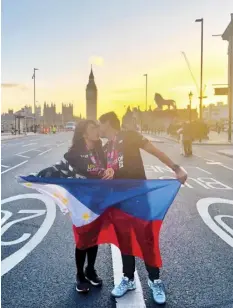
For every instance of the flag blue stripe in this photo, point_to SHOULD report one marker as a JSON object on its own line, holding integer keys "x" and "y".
{"x": 145, "y": 199}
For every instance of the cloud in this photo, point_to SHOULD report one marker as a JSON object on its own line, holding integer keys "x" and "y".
{"x": 10, "y": 85}
{"x": 127, "y": 91}
{"x": 14, "y": 85}
{"x": 96, "y": 60}
{"x": 183, "y": 88}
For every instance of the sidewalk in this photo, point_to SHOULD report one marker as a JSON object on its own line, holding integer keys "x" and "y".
{"x": 214, "y": 139}
{"x": 153, "y": 139}
{"x": 226, "y": 152}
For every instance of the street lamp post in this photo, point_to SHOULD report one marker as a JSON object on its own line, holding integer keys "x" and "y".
{"x": 190, "y": 105}
{"x": 201, "y": 20}
{"x": 34, "y": 77}
{"x": 146, "y": 89}
{"x": 230, "y": 87}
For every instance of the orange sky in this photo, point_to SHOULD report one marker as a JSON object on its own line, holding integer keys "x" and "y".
{"x": 122, "y": 44}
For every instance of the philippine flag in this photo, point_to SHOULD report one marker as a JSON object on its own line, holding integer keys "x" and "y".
{"x": 126, "y": 213}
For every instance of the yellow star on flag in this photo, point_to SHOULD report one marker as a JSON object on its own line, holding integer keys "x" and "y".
{"x": 86, "y": 216}
{"x": 64, "y": 200}
{"x": 60, "y": 197}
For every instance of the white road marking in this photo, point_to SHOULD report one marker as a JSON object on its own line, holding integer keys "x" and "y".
{"x": 58, "y": 145}
{"x": 21, "y": 153}
{"x": 24, "y": 156}
{"x": 45, "y": 152}
{"x": 219, "y": 164}
{"x": 212, "y": 162}
{"x": 203, "y": 170}
{"x": 203, "y": 206}
{"x": 226, "y": 167}
{"x": 16, "y": 166}
{"x": 5, "y": 217}
{"x": 29, "y": 144}
{"x": 133, "y": 299}
{"x": 218, "y": 218}
{"x": 25, "y": 236}
{"x": 10, "y": 262}
{"x": 4, "y": 166}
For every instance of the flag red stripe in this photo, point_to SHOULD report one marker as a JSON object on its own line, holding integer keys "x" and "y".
{"x": 133, "y": 236}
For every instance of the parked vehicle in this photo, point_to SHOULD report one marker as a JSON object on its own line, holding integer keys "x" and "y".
{"x": 70, "y": 126}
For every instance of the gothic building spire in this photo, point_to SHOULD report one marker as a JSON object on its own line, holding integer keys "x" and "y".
{"x": 91, "y": 98}
{"x": 91, "y": 83}
{"x": 91, "y": 76}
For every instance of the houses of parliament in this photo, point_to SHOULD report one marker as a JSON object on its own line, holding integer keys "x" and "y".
{"x": 50, "y": 116}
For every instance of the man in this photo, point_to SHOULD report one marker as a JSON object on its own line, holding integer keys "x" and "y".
{"x": 124, "y": 159}
{"x": 180, "y": 134}
{"x": 187, "y": 139}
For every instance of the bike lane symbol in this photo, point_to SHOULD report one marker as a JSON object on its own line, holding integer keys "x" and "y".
{"x": 11, "y": 261}
{"x": 203, "y": 209}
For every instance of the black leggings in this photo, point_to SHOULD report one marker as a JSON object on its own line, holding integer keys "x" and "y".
{"x": 129, "y": 268}
{"x": 80, "y": 257}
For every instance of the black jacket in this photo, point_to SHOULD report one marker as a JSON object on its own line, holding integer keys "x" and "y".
{"x": 75, "y": 163}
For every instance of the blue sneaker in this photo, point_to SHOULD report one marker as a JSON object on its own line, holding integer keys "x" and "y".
{"x": 124, "y": 286}
{"x": 158, "y": 291}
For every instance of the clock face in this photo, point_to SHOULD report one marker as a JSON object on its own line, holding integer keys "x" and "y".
{"x": 91, "y": 95}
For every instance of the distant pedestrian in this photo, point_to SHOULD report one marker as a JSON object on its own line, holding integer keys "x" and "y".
{"x": 187, "y": 139}
{"x": 180, "y": 136}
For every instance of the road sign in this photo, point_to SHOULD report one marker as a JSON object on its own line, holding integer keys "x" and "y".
{"x": 221, "y": 91}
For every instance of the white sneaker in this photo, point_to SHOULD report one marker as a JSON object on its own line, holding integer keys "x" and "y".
{"x": 158, "y": 291}
{"x": 125, "y": 285}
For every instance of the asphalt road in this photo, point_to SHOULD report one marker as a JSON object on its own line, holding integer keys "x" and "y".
{"x": 38, "y": 267}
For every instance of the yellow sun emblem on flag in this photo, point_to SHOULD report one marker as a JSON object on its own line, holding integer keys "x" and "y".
{"x": 28, "y": 184}
{"x": 86, "y": 216}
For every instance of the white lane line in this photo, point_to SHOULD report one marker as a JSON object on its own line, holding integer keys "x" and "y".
{"x": 133, "y": 299}
{"x": 29, "y": 144}
{"x": 25, "y": 156}
{"x": 227, "y": 167}
{"x": 219, "y": 164}
{"x": 58, "y": 145}
{"x": 4, "y": 166}
{"x": 203, "y": 170}
{"x": 16, "y": 166}
{"x": 45, "y": 152}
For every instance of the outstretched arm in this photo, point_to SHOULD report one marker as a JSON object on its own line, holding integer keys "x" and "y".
{"x": 181, "y": 174}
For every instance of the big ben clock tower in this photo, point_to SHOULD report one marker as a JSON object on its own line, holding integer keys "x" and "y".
{"x": 91, "y": 98}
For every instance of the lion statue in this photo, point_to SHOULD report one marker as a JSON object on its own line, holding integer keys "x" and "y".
{"x": 160, "y": 102}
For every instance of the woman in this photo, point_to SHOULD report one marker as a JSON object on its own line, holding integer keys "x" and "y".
{"x": 85, "y": 159}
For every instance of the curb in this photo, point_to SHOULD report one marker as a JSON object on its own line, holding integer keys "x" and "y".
{"x": 16, "y": 137}
{"x": 202, "y": 143}
{"x": 152, "y": 139}
{"x": 225, "y": 154}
